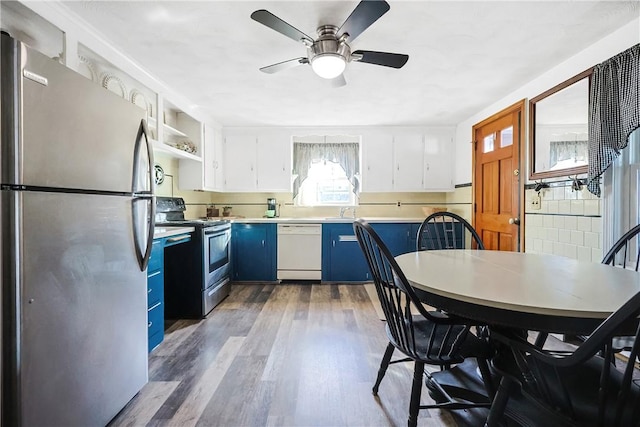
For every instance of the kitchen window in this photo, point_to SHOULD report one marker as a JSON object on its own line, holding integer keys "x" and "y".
{"x": 621, "y": 184}
{"x": 326, "y": 173}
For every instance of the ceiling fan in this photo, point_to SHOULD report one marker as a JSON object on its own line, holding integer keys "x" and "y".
{"x": 329, "y": 54}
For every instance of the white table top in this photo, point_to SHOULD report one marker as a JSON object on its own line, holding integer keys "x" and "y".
{"x": 522, "y": 282}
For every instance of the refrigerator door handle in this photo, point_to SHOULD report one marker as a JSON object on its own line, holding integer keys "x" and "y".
{"x": 143, "y": 257}
{"x": 149, "y": 182}
{"x": 145, "y": 195}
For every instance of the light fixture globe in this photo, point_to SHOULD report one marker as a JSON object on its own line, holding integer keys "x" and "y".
{"x": 328, "y": 65}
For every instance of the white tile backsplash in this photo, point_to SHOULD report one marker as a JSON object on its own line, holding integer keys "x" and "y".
{"x": 577, "y": 237}
{"x": 568, "y": 224}
{"x": 596, "y": 225}
{"x": 577, "y": 207}
{"x": 592, "y": 239}
{"x": 558, "y": 221}
{"x": 584, "y": 223}
{"x": 571, "y": 222}
{"x": 592, "y": 207}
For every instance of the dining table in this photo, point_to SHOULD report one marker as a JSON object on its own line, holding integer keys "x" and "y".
{"x": 523, "y": 290}
{"x": 518, "y": 291}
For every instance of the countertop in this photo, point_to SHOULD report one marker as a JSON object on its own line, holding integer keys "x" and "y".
{"x": 321, "y": 220}
{"x": 163, "y": 231}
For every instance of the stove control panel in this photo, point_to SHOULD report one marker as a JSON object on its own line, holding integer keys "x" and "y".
{"x": 170, "y": 204}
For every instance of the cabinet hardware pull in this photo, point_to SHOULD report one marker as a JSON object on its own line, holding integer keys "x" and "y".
{"x": 149, "y": 291}
{"x": 155, "y": 305}
{"x": 149, "y": 324}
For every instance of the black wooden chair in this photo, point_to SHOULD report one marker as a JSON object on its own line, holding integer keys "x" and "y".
{"x": 431, "y": 338}
{"x": 581, "y": 387}
{"x": 446, "y": 230}
{"x": 625, "y": 253}
{"x": 622, "y": 254}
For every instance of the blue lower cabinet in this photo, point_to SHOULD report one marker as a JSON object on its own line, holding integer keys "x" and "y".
{"x": 155, "y": 294}
{"x": 342, "y": 258}
{"x": 253, "y": 249}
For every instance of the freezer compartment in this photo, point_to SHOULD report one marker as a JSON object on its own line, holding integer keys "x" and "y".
{"x": 80, "y": 325}
{"x": 69, "y": 132}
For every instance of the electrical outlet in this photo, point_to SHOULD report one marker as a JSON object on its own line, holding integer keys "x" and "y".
{"x": 536, "y": 201}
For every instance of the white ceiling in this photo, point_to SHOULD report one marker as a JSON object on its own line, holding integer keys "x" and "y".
{"x": 463, "y": 55}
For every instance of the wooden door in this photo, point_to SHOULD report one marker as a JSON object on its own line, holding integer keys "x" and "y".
{"x": 496, "y": 179}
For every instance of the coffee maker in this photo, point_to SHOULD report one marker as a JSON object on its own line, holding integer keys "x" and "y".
{"x": 271, "y": 208}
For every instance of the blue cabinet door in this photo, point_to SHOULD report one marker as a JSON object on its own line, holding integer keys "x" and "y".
{"x": 254, "y": 252}
{"x": 342, "y": 258}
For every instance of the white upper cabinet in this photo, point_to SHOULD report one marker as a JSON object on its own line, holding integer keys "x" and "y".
{"x": 377, "y": 163}
{"x": 438, "y": 160}
{"x": 217, "y": 175}
{"x": 408, "y": 157}
{"x": 240, "y": 163}
{"x": 274, "y": 163}
{"x": 257, "y": 162}
{"x": 204, "y": 175}
{"x": 408, "y": 161}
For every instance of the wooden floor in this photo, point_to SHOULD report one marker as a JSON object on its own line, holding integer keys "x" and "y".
{"x": 277, "y": 355}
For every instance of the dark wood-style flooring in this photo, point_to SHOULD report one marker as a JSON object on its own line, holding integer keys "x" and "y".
{"x": 278, "y": 355}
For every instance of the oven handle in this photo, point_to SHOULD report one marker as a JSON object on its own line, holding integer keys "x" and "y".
{"x": 219, "y": 232}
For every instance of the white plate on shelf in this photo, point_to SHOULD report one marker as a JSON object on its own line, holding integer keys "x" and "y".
{"x": 137, "y": 98}
{"x": 114, "y": 84}
{"x": 86, "y": 68}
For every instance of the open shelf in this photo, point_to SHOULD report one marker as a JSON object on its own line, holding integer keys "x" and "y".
{"x": 168, "y": 130}
{"x": 174, "y": 152}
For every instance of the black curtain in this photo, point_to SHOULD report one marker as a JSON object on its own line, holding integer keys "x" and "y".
{"x": 614, "y": 111}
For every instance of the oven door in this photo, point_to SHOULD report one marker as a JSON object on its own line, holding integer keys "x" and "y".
{"x": 217, "y": 249}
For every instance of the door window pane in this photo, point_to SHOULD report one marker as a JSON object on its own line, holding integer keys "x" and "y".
{"x": 506, "y": 137}
{"x": 488, "y": 143}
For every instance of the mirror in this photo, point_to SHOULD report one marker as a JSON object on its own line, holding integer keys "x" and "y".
{"x": 558, "y": 127}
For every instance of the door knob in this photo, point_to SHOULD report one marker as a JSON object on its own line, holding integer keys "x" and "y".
{"x": 515, "y": 221}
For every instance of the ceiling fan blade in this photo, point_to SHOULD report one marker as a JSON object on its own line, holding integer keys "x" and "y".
{"x": 272, "y": 21}
{"x": 338, "y": 81}
{"x": 274, "y": 68}
{"x": 366, "y": 13}
{"x": 393, "y": 60}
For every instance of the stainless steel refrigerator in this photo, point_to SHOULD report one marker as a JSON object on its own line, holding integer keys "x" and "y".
{"x": 77, "y": 211}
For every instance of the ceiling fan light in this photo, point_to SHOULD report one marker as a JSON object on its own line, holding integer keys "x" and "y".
{"x": 328, "y": 65}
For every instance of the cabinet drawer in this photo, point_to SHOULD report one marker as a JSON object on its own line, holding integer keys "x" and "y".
{"x": 155, "y": 288}
{"x": 155, "y": 260}
{"x": 155, "y": 318}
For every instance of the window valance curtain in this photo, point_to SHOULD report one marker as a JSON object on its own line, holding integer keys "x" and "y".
{"x": 345, "y": 154}
{"x": 567, "y": 150}
{"x": 614, "y": 111}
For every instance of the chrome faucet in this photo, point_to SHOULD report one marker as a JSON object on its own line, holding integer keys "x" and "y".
{"x": 345, "y": 209}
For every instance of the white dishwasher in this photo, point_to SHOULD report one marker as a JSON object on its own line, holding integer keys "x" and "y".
{"x": 299, "y": 251}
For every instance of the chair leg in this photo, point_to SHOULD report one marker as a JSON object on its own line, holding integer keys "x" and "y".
{"x": 384, "y": 364}
{"x": 416, "y": 391}
{"x": 499, "y": 403}
{"x": 485, "y": 373}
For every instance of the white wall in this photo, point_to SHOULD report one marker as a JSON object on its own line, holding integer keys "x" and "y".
{"x": 624, "y": 38}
